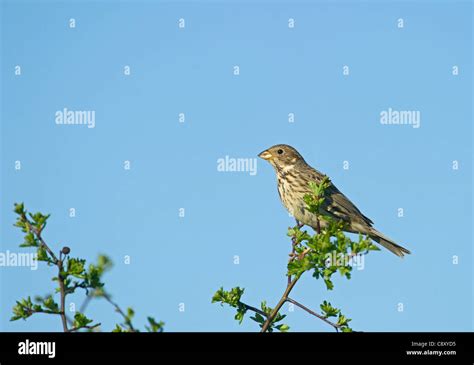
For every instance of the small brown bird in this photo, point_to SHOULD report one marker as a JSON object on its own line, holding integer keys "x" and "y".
{"x": 293, "y": 177}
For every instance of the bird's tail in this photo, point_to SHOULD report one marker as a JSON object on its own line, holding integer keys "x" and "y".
{"x": 388, "y": 243}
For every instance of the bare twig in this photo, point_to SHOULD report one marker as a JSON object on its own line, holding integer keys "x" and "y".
{"x": 335, "y": 325}
{"x": 108, "y": 298}
{"x": 85, "y": 303}
{"x": 45, "y": 311}
{"x": 282, "y": 301}
{"x": 256, "y": 310}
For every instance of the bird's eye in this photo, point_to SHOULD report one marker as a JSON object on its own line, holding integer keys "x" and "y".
{"x": 280, "y": 151}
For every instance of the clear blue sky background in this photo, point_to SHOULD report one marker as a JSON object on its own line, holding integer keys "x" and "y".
{"x": 174, "y": 165}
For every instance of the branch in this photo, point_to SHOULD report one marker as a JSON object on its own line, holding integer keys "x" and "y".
{"x": 335, "y": 325}
{"x": 45, "y": 311}
{"x": 308, "y": 252}
{"x": 58, "y": 263}
{"x": 291, "y": 283}
{"x": 62, "y": 291}
{"x": 85, "y": 303}
{"x": 256, "y": 310}
{"x": 67, "y": 269}
{"x": 128, "y": 322}
{"x": 40, "y": 238}
{"x": 75, "y": 329}
{"x": 282, "y": 301}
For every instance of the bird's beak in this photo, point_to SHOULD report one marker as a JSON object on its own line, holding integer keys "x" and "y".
{"x": 265, "y": 155}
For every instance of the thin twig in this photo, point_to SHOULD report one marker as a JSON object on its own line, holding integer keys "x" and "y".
{"x": 85, "y": 303}
{"x": 256, "y": 310}
{"x": 282, "y": 301}
{"x": 40, "y": 238}
{"x": 84, "y": 327}
{"x": 119, "y": 310}
{"x": 335, "y": 325}
{"x": 128, "y": 323}
{"x": 45, "y": 311}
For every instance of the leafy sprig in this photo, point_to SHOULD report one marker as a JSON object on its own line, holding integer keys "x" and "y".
{"x": 323, "y": 254}
{"x": 233, "y": 297}
{"x": 72, "y": 274}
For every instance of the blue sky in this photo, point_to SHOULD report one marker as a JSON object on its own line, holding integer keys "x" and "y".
{"x": 174, "y": 165}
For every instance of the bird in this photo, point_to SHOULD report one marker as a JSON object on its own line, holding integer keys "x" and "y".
{"x": 293, "y": 178}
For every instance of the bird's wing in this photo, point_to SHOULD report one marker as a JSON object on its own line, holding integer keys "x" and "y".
{"x": 337, "y": 204}
{"x": 340, "y": 206}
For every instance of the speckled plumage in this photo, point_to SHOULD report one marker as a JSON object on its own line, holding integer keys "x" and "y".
{"x": 293, "y": 177}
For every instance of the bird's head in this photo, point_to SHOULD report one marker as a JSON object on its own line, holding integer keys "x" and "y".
{"x": 282, "y": 156}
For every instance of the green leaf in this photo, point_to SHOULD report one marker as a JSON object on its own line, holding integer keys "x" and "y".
{"x": 154, "y": 325}
{"x": 343, "y": 320}
{"x": 117, "y": 328}
{"x": 42, "y": 254}
{"x": 329, "y": 284}
{"x": 258, "y": 318}
{"x": 231, "y": 297}
{"x": 298, "y": 266}
{"x": 239, "y": 316}
{"x": 19, "y": 208}
{"x": 30, "y": 240}
{"x": 266, "y": 309}
{"x": 104, "y": 263}
{"x": 75, "y": 267}
{"x": 130, "y": 313}
{"x": 328, "y": 310}
{"x": 50, "y": 304}
{"x": 80, "y": 320}
{"x": 24, "y": 309}
{"x": 283, "y": 327}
